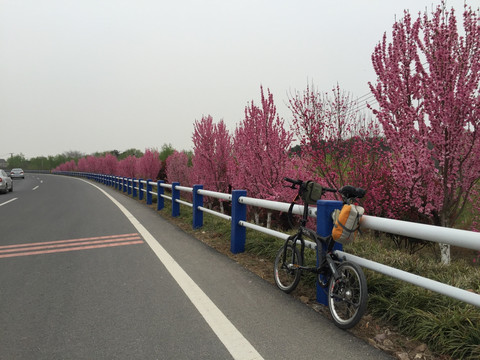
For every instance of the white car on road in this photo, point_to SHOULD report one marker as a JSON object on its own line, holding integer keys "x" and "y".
{"x": 6, "y": 183}
{"x": 17, "y": 173}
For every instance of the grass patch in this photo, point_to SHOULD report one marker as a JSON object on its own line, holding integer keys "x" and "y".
{"x": 448, "y": 326}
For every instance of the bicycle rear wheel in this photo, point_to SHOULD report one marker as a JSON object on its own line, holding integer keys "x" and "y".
{"x": 286, "y": 271}
{"x": 347, "y": 296}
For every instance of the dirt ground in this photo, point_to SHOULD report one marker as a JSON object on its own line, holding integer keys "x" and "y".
{"x": 372, "y": 331}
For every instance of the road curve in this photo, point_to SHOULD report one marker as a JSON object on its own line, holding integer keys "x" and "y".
{"x": 89, "y": 273}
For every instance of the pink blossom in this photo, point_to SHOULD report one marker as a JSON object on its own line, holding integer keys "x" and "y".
{"x": 427, "y": 88}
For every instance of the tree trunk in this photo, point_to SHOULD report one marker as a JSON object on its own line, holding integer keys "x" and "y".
{"x": 269, "y": 220}
{"x": 257, "y": 218}
{"x": 445, "y": 253}
{"x": 444, "y": 248}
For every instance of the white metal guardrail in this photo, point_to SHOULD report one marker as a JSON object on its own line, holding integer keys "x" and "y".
{"x": 460, "y": 238}
{"x": 426, "y": 283}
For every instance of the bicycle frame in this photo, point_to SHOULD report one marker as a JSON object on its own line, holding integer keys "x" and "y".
{"x": 324, "y": 246}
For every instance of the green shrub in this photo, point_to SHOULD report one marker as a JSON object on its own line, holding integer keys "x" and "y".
{"x": 446, "y": 325}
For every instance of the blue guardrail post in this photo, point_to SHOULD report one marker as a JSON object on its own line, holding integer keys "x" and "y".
{"x": 160, "y": 199}
{"x": 140, "y": 189}
{"x": 197, "y": 201}
{"x": 239, "y": 213}
{"x": 149, "y": 192}
{"x": 175, "y": 197}
{"x": 134, "y": 189}
{"x": 324, "y": 228}
{"x": 129, "y": 187}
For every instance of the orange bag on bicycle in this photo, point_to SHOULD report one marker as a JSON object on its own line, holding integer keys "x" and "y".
{"x": 346, "y": 223}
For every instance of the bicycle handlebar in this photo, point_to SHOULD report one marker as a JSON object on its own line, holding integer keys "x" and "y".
{"x": 329, "y": 189}
{"x": 294, "y": 182}
{"x": 300, "y": 182}
{"x": 347, "y": 191}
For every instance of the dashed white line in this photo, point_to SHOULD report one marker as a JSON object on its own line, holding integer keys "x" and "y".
{"x": 9, "y": 201}
{"x": 35, "y": 188}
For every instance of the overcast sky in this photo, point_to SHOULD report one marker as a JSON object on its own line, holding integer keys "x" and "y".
{"x": 98, "y": 75}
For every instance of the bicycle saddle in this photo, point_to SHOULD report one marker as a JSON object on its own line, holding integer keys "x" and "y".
{"x": 351, "y": 192}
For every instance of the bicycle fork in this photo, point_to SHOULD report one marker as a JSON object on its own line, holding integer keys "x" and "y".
{"x": 290, "y": 263}
{"x": 332, "y": 266}
{"x": 327, "y": 268}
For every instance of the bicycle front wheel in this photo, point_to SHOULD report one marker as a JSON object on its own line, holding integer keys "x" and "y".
{"x": 286, "y": 269}
{"x": 347, "y": 296}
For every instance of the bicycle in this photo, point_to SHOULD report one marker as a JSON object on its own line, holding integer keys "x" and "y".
{"x": 343, "y": 281}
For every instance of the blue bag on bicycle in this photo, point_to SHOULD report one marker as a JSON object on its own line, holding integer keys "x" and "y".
{"x": 346, "y": 223}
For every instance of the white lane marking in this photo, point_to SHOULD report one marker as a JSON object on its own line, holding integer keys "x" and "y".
{"x": 9, "y": 201}
{"x": 238, "y": 346}
{"x": 35, "y": 188}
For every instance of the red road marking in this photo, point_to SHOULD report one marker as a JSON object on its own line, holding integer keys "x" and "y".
{"x": 67, "y": 241}
{"x": 69, "y": 245}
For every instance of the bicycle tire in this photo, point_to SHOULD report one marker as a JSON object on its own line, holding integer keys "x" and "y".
{"x": 287, "y": 279}
{"x": 347, "y": 296}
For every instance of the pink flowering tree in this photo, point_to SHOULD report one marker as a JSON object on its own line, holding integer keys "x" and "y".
{"x": 260, "y": 149}
{"x": 212, "y": 152}
{"x": 127, "y": 167}
{"x": 340, "y": 146}
{"x": 82, "y": 165}
{"x": 177, "y": 168}
{"x": 67, "y": 166}
{"x": 427, "y": 88}
{"x": 93, "y": 164}
{"x": 72, "y": 165}
{"x": 148, "y": 165}
{"x": 108, "y": 164}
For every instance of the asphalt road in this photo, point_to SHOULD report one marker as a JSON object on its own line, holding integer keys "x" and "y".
{"x": 88, "y": 273}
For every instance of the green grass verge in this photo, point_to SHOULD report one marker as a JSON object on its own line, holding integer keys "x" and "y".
{"x": 447, "y": 326}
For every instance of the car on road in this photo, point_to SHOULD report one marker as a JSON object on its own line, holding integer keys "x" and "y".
{"x": 6, "y": 183}
{"x": 17, "y": 173}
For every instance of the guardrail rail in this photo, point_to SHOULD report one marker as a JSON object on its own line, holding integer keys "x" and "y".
{"x": 322, "y": 212}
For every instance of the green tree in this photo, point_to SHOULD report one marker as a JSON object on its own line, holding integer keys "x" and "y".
{"x": 17, "y": 161}
{"x": 39, "y": 163}
{"x": 134, "y": 152}
{"x": 167, "y": 150}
